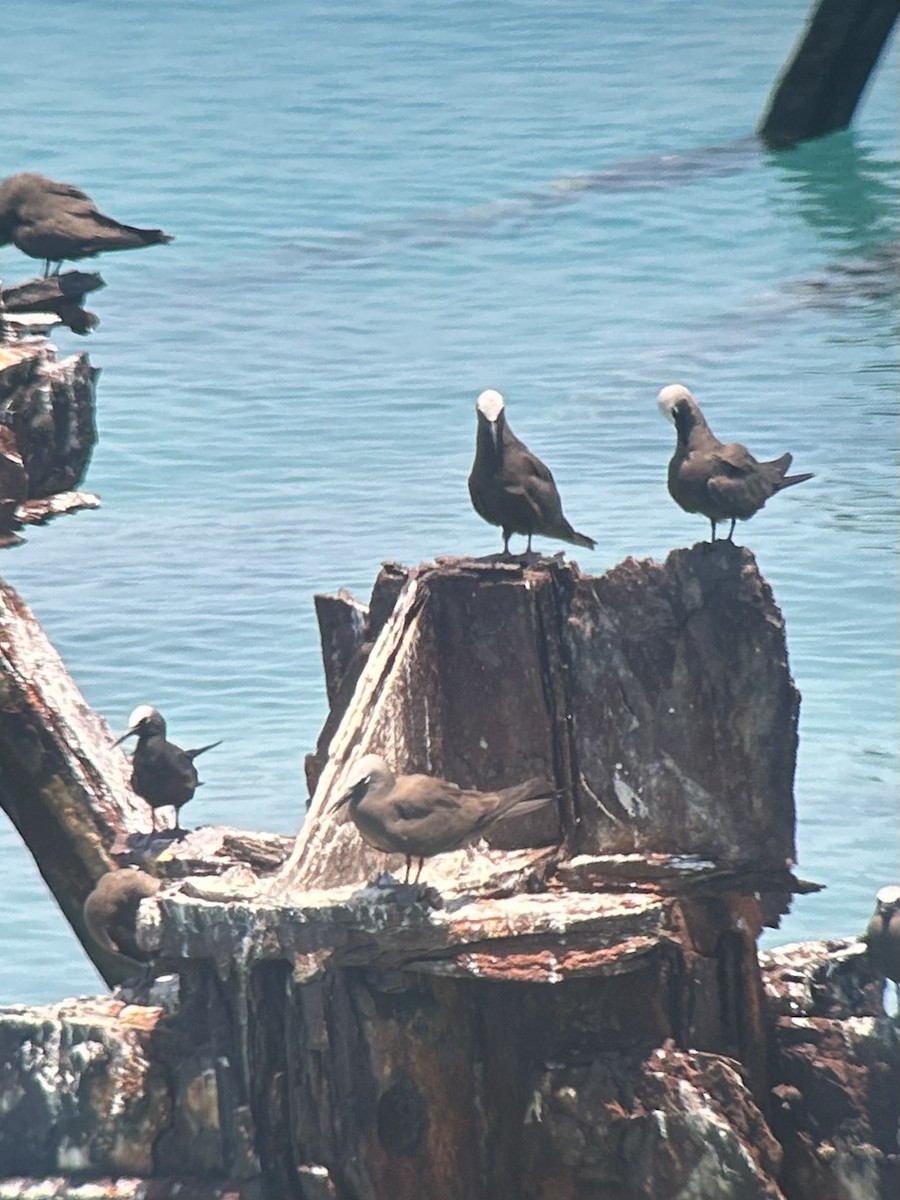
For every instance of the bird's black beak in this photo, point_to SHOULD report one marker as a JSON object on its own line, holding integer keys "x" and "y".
{"x": 344, "y": 800}
{"x": 129, "y": 733}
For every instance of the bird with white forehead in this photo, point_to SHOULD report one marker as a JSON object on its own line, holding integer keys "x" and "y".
{"x": 511, "y": 487}
{"x": 419, "y": 816}
{"x": 882, "y": 936}
{"x": 161, "y": 773}
{"x": 723, "y": 482}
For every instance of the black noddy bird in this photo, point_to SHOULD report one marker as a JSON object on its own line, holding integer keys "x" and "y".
{"x": 56, "y": 221}
{"x": 723, "y": 481}
{"x": 419, "y": 815}
{"x": 110, "y": 910}
{"x": 882, "y": 936}
{"x": 161, "y": 773}
{"x": 510, "y": 486}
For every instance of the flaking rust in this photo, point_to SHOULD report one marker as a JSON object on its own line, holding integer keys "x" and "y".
{"x": 582, "y": 1014}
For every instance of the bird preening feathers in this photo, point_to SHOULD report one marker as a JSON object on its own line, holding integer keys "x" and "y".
{"x": 111, "y": 909}
{"x": 56, "y": 221}
{"x": 510, "y": 486}
{"x": 882, "y": 936}
{"x": 419, "y": 815}
{"x": 161, "y": 773}
{"x": 722, "y": 481}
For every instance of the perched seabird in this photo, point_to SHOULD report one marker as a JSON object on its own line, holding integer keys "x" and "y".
{"x": 110, "y": 910}
{"x": 510, "y": 486}
{"x": 882, "y": 936}
{"x": 419, "y": 816}
{"x": 722, "y": 481}
{"x": 56, "y": 221}
{"x": 161, "y": 772}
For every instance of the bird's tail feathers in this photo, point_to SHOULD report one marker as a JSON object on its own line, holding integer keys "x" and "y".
{"x": 566, "y": 533}
{"x": 790, "y": 480}
{"x": 524, "y": 797}
{"x": 522, "y": 807}
{"x": 192, "y": 754}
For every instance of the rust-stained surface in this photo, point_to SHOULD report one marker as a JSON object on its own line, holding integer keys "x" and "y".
{"x": 370, "y": 926}
{"x": 665, "y": 1124}
{"x": 658, "y": 696}
{"x": 80, "y": 1091}
{"x": 574, "y": 1020}
{"x": 62, "y": 1187}
{"x": 835, "y": 1103}
{"x": 516, "y": 964}
{"x": 49, "y": 404}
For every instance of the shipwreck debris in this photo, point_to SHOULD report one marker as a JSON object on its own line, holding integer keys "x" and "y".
{"x": 47, "y": 433}
{"x": 824, "y": 78}
{"x": 568, "y": 1020}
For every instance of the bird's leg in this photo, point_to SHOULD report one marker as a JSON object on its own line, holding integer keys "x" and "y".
{"x": 46, "y": 267}
{"x": 419, "y": 871}
{"x": 731, "y": 530}
{"x": 713, "y": 524}
{"x": 507, "y": 534}
{"x": 177, "y": 821}
{"x": 408, "y": 866}
{"x": 528, "y": 547}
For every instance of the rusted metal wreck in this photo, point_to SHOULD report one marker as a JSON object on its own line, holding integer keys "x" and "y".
{"x": 579, "y": 1013}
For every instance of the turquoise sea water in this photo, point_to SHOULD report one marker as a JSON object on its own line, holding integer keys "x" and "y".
{"x": 381, "y": 210}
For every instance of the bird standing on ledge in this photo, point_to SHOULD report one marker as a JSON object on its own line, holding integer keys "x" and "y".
{"x": 882, "y": 936}
{"x": 56, "y": 221}
{"x": 161, "y": 773}
{"x": 510, "y": 486}
{"x": 723, "y": 482}
{"x": 419, "y": 815}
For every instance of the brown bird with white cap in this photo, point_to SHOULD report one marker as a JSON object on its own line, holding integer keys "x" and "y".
{"x": 420, "y": 815}
{"x": 723, "y": 481}
{"x": 510, "y": 486}
{"x": 882, "y": 936}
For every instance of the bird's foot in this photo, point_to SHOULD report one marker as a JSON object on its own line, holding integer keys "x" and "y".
{"x": 175, "y": 834}
{"x": 407, "y": 895}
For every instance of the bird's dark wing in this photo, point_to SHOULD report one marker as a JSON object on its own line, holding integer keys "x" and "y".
{"x": 430, "y": 813}
{"x": 163, "y": 774}
{"x": 739, "y": 483}
{"x": 526, "y": 477}
{"x": 69, "y": 190}
{"x": 415, "y": 797}
{"x": 532, "y": 465}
